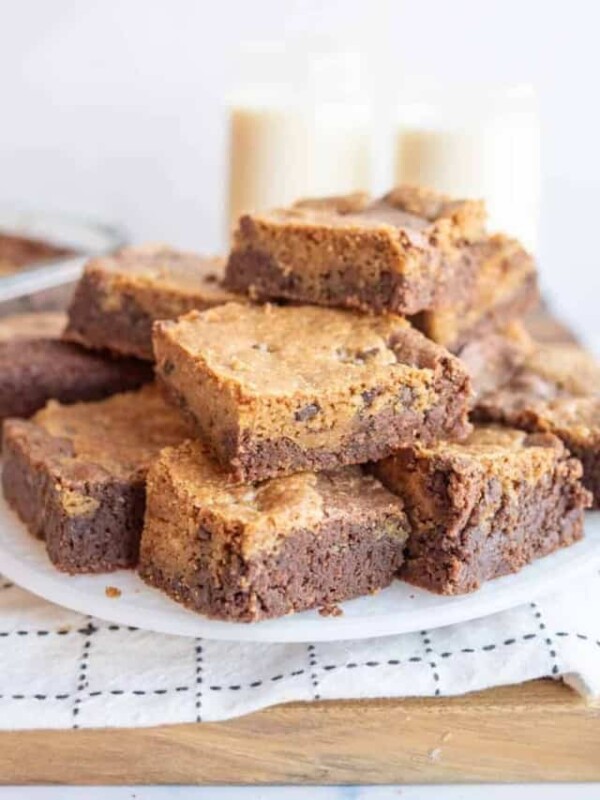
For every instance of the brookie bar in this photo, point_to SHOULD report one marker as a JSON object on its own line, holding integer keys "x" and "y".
{"x": 402, "y": 253}
{"x": 275, "y": 390}
{"x": 247, "y": 552}
{"x": 485, "y": 507}
{"x": 119, "y": 297}
{"x": 76, "y": 475}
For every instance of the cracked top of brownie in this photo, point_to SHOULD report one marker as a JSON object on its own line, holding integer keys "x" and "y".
{"x": 505, "y": 455}
{"x": 271, "y": 350}
{"x": 264, "y": 513}
{"x": 160, "y": 266}
{"x": 120, "y": 435}
{"x": 577, "y": 418}
{"x": 493, "y": 443}
{"x": 568, "y": 366}
{"x": 412, "y": 210}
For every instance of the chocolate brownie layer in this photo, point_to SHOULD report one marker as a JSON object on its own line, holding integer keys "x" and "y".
{"x": 402, "y": 253}
{"x": 486, "y": 507}
{"x": 247, "y": 552}
{"x": 119, "y": 297}
{"x": 33, "y": 371}
{"x": 279, "y": 390}
{"x": 503, "y": 288}
{"x": 76, "y": 475}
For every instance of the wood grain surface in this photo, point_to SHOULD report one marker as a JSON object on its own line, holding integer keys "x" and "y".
{"x": 539, "y": 731}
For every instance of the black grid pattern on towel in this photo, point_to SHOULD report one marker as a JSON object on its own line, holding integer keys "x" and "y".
{"x": 89, "y": 647}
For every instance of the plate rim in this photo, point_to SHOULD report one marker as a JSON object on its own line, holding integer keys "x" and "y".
{"x": 515, "y": 589}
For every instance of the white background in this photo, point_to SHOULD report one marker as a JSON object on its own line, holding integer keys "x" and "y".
{"x": 115, "y": 108}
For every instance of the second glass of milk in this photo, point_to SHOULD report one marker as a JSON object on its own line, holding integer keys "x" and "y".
{"x": 479, "y": 144}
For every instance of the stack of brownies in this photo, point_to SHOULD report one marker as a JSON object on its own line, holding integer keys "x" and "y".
{"x": 309, "y": 435}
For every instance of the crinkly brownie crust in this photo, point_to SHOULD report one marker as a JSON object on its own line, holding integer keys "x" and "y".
{"x": 279, "y": 390}
{"x": 90, "y": 522}
{"x": 119, "y": 297}
{"x": 485, "y": 508}
{"x": 249, "y": 552}
{"x": 493, "y": 360}
{"x": 576, "y": 422}
{"x": 76, "y": 475}
{"x": 402, "y": 253}
{"x": 556, "y": 389}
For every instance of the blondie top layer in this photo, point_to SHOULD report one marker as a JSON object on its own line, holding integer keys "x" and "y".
{"x": 246, "y": 552}
{"x": 401, "y": 253}
{"x": 502, "y": 288}
{"x": 119, "y": 297}
{"x": 75, "y": 475}
{"x": 276, "y": 390}
{"x": 485, "y": 507}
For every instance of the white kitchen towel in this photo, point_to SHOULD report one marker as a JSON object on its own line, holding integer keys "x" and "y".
{"x": 59, "y": 669}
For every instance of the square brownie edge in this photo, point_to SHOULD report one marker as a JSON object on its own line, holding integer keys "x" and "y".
{"x": 89, "y": 521}
{"x": 251, "y": 552}
{"x": 393, "y": 254}
{"x": 486, "y": 507}
{"x": 276, "y": 390}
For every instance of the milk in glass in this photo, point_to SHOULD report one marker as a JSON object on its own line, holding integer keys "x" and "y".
{"x": 480, "y": 145}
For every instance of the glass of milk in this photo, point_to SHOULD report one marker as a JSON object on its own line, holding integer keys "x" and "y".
{"x": 476, "y": 143}
{"x": 299, "y": 126}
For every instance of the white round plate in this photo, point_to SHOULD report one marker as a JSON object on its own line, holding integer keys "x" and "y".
{"x": 401, "y": 608}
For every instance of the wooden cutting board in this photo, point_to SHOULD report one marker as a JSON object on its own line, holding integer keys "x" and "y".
{"x": 538, "y": 731}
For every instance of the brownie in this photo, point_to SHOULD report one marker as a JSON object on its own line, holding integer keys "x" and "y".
{"x": 76, "y": 475}
{"x": 17, "y": 251}
{"x": 275, "y": 390}
{"x": 485, "y": 507}
{"x": 549, "y": 371}
{"x": 402, "y": 253}
{"x": 556, "y": 389}
{"x": 247, "y": 552}
{"x": 34, "y": 370}
{"x": 576, "y": 421}
{"x": 119, "y": 297}
{"x": 544, "y": 326}
{"x": 503, "y": 288}
{"x": 494, "y": 359}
